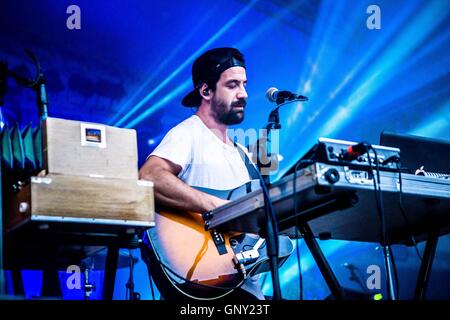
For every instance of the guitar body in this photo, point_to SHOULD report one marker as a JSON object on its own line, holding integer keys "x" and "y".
{"x": 181, "y": 243}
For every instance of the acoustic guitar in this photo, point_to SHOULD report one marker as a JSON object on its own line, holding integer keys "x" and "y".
{"x": 209, "y": 261}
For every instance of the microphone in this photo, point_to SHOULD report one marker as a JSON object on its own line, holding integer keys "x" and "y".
{"x": 275, "y": 95}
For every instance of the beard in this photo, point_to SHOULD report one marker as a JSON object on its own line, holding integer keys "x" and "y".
{"x": 228, "y": 115}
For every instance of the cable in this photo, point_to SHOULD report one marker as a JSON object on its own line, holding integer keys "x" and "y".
{"x": 380, "y": 212}
{"x": 172, "y": 280}
{"x": 396, "y": 159}
{"x": 378, "y": 194}
{"x": 264, "y": 278}
{"x": 197, "y": 283}
{"x": 151, "y": 288}
{"x": 272, "y": 239}
{"x": 130, "y": 284}
{"x": 380, "y": 207}
{"x": 394, "y": 266}
{"x": 297, "y": 248}
{"x": 403, "y": 211}
{"x": 271, "y": 230}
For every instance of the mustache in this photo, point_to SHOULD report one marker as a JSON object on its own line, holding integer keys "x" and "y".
{"x": 241, "y": 102}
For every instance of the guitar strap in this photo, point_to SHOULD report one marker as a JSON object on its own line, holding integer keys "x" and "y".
{"x": 252, "y": 171}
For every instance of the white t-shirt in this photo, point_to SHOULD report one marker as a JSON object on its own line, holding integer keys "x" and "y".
{"x": 205, "y": 160}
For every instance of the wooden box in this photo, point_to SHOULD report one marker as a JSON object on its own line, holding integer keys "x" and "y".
{"x": 89, "y": 149}
{"x": 86, "y": 200}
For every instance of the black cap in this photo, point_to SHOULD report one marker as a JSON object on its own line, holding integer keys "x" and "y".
{"x": 207, "y": 69}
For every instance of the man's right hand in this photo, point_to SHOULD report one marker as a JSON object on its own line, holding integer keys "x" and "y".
{"x": 217, "y": 202}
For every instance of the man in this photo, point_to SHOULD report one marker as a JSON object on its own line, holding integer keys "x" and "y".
{"x": 198, "y": 152}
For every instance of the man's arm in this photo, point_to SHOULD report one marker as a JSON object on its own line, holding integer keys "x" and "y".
{"x": 171, "y": 192}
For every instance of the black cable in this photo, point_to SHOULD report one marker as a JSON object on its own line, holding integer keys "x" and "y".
{"x": 394, "y": 267}
{"x": 380, "y": 207}
{"x": 145, "y": 259}
{"x": 271, "y": 235}
{"x": 378, "y": 195}
{"x": 193, "y": 282}
{"x": 263, "y": 281}
{"x": 272, "y": 227}
{"x": 130, "y": 284}
{"x": 403, "y": 211}
{"x": 270, "y": 212}
{"x": 297, "y": 249}
{"x": 151, "y": 288}
{"x": 380, "y": 215}
{"x": 272, "y": 231}
{"x": 396, "y": 159}
{"x": 198, "y": 283}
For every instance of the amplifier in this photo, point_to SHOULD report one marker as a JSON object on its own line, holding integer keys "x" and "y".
{"x": 336, "y": 152}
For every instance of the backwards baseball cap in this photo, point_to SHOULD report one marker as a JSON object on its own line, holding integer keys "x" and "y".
{"x": 207, "y": 69}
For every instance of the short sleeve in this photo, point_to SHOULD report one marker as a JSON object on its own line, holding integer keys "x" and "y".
{"x": 176, "y": 147}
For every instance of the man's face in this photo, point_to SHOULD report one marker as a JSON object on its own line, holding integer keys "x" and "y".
{"x": 230, "y": 97}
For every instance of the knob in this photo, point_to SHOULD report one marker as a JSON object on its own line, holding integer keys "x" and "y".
{"x": 332, "y": 176}
{"x": 23, "y": 207}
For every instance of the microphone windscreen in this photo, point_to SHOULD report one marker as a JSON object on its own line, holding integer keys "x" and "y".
{"x": 270, "y": 92}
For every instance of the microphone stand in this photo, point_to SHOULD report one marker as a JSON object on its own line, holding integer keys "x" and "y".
{"x": 41, "y": 96}
{"x": 272, "y": 124}
{"x": 271, "y": 225}
{"x": 37, "y": 85}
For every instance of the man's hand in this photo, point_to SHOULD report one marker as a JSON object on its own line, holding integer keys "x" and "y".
{"x": 217, "y": 202}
